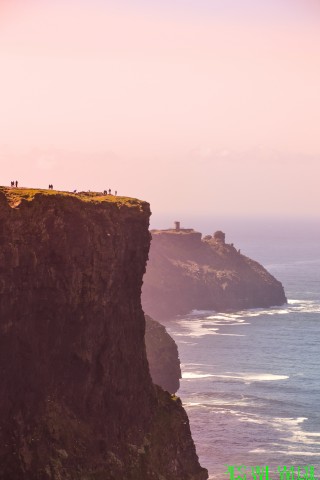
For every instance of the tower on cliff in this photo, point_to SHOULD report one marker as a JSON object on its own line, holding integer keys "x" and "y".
{"x": 219, "y": 236}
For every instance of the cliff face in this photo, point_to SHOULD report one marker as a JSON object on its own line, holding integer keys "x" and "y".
{"x": 185, "y": 273}
{"x": 76, "y": 398}
{"x": 163, "y": 356}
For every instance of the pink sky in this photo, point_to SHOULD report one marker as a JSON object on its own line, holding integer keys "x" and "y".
{"x": 191, "y": 109}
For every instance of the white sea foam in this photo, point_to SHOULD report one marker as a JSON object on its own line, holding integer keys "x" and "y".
{"x": 195, "y": 328}
{"x": 210, "y": 322}
{"x": 187, "y": 365}
{"x": 286, "y": 452}
{"x": 193, "y": 375}
{"x": 227, "y": 316}
{"x": 285, "y": 424}
{"x": 243, "y": 377}
{"x": 305, "y": 306}
{"x": 263, "y": 377}
{"x": 231, "y": 334}
{"x": 202, "y": 327}
{"x": 294, "y": 302}
{"x": 291, "y": 428}
{"x": 250, "y": 377}
{"x": 296, "y": 434}
{"x": 228, "y": 324}
{"x": 187, "y": 343}
{"x": 220, "y": 404}
{"x": 201, "y": 312}
{"x": 299, "y": 452}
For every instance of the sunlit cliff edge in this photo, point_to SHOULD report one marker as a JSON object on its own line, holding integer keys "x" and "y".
{"x": 76, "y": 400}
{"x": 187, "y": 272}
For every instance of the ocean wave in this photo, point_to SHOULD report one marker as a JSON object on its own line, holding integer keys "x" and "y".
{"x": 234, "y": 400}
{"x": 188, "y": 365}
{"x": 210, "y": 323}
{"x": 196, "y": 328}
{"x": 244, "y": 377}
{"x": 263, "y": 377}
{"x": 253, "y": 377}
{"x": 218, "y": 404}
{"x": 193, "y": 375}
{"x": 187, "y": 343}
{"x": 202, "y": 327}
{"x": 231, "y": 334}
{"x": 294, "y": 452}
{"x": 305, "y": 306}
{"x": 292, "y": 436}
{"x": 201, "y": 312}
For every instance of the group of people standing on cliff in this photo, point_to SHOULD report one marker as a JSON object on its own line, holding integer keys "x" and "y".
{"x": 108, "y": 192}
{"x": 14, "y": 183}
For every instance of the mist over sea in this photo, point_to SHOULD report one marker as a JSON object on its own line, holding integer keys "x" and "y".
{"x": 251, "y": 379}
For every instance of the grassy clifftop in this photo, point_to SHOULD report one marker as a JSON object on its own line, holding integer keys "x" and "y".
{"x": 15, "y": 196}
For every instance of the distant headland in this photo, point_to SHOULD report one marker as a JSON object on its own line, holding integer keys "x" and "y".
{"x": 186, "y": 271}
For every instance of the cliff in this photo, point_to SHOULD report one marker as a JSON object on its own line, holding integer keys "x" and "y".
{"x": 186, "y": 272}
{"x": 76, "y": 400}
{"x": 163, "y": 356}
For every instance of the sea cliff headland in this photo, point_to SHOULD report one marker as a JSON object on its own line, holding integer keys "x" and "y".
{"x": 187, "y": 272}
{"x": 76, "y": 400}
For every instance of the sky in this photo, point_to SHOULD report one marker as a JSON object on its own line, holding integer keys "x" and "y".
{"x": 201, "y": 107}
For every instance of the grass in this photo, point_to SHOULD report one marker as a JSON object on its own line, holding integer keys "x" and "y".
{"x": 16, "y": 195}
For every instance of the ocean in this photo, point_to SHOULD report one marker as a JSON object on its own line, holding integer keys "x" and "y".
{"x": 251, "y": 379}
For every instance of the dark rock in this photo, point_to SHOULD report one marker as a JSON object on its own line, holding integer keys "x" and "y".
{"x": 163, "y": 357}
{"x": 76, "y": 399}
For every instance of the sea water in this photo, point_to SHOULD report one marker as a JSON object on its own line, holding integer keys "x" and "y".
{"x": 251, "y": 379}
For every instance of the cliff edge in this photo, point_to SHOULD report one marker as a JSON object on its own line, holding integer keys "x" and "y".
{"x": 187, "y": 272}
{"x": 76, "y": 400}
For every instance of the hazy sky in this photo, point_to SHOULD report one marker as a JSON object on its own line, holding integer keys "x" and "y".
{"x": 198, "y": 106}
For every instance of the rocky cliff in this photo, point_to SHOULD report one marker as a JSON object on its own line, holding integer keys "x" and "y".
{"x": 186, "y": 272}
{"x": 76, "y": 399}
{"x": 163, "y": 356}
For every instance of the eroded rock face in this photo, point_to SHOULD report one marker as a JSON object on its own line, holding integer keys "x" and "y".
{"x": 76, "y": 397}
{"x": 163, "y": 356}
{"x": 185, "y": 273}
